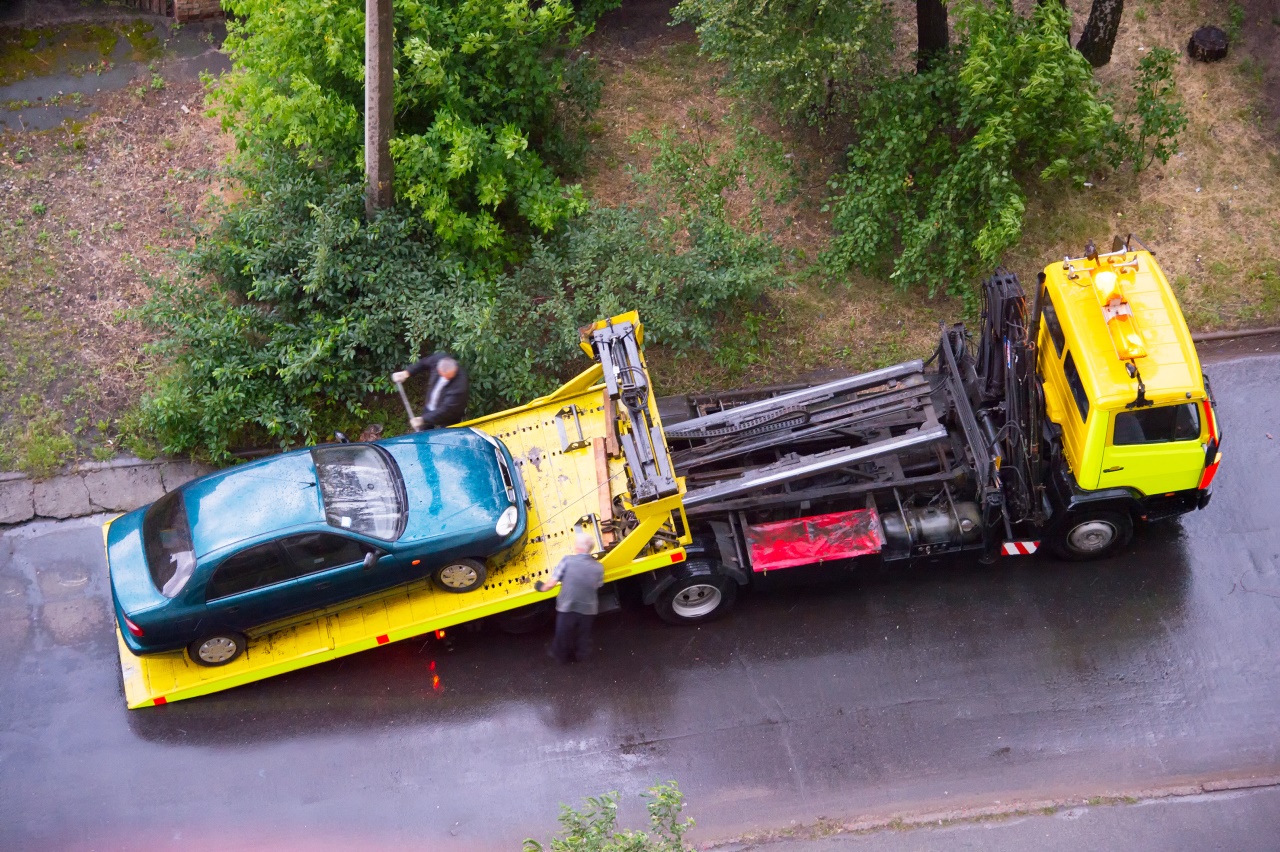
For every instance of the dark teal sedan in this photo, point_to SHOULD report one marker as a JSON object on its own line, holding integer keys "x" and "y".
{"x": 258, "y": 543}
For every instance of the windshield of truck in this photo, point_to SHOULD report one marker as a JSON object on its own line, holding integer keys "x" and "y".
{"x": 167, "y": 540}
{"x": 361, "y": 489}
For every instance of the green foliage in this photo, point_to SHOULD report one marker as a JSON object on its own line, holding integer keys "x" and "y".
{"x": 696, "y": 177}
{"x": 935, "y": 181}
{"x": 297, "y": 309}
{"x": 595, "y": 827}
{"x": 1158, "y": 115}
{"x": 479, "y": 87}
{"x": 40, "y": 446}
{"x": 808, "y": 58}
{"x": 1235, "y": 22}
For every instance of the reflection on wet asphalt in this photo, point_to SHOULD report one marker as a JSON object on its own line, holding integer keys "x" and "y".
{"x": 953, "y": 684}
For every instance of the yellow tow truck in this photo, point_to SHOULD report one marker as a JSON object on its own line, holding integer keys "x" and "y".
{"x": 1070, "y": 418}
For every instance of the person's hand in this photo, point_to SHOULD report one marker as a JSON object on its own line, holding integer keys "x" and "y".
{"x": 538, "y": 586}
{"x": 417, "y": 423}
{"x": 400, "y": 376}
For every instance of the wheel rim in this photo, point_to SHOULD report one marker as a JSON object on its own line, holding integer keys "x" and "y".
{"x": 1092, "y": 537}
{"x": 698, "y": 600}
{"x": 458, "y": 576}
{"x": 219, "y": 649}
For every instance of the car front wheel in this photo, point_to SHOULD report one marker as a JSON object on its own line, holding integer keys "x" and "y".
{"x": 217, "y": 649}
{"x": 1092, "y": 535}
{"x": 460, "y": 575}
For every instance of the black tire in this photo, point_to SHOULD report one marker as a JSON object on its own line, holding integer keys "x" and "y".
{"x": 1092, "y": 535}
{"x": 460, "y": 575}
{"x": 696, "y": 599}
{"x": 217, "y": 649}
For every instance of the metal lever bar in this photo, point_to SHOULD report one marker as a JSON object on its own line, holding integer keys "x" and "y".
{"x": 642, "y": 443}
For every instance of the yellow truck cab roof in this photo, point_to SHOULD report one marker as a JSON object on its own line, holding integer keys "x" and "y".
{"x": 1151, "y": 332}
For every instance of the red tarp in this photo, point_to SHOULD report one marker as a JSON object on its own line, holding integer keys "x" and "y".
{"x": 821, "y": 538}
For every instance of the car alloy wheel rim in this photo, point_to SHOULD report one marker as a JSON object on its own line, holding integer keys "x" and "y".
{"x": 458, "y": 576}
{"x": 219, "y": 649}
{"x": 696, "y": 601}
{"x": 1092, "y": 536}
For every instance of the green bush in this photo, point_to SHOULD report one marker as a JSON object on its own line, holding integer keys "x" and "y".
{"x": 1151, "y": 132}
{"x": 296, "y": 309}
{"x": 595, "y": 827}
{"x": 480, "y": 88}
{"x": 934, "y": 191}
{"x": 808, "y": 58}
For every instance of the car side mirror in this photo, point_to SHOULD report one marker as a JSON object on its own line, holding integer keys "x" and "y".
{"x": 370, "y": 560}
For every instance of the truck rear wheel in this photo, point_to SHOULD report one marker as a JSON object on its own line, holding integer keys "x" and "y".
{"x": 696, "y": 599}
{"x": 1092, "y": 535}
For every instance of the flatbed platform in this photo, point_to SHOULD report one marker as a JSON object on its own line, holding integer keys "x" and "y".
{"x": 561, "y": 445}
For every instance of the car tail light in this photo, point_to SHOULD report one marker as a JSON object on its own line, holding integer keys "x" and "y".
{"x": 1210, "y": 471}
{"x": 133, "y": 628}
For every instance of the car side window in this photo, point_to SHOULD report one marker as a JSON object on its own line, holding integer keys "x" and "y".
{"x": 250, "y": 569}
{"x": 314, "y": 552}
{"x": 1050, "y": 314}
{"x": 1157, "y": 425}
{"x": 1077, "y": 387}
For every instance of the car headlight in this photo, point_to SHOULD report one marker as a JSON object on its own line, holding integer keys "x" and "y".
{"x": 507, "y": 521}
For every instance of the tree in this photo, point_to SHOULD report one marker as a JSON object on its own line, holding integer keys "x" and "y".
{"x": 478, "y": 90}
{"x": 931, "y": 32}
{"x": 379, "y": 86}
{"x": 1099, "y": 35}
{"x": 809, "y": 59}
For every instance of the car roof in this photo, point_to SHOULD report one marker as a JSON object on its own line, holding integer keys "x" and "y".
{"x": 252, "y": 500}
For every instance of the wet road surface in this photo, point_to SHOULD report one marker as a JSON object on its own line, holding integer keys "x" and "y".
{"x": 955, "y": 684}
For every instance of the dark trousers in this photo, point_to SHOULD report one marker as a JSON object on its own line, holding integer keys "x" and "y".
{"x": 573, "y": 637}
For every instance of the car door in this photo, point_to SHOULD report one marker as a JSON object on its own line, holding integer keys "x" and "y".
{"x": 249, "y": 588}
{"x": 330, "y": 568}
{"x": 1156, "y": 450}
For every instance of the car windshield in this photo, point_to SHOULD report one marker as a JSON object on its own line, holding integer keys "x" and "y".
{"x": 361, "y": 489}
{"x": 167, "y": 538}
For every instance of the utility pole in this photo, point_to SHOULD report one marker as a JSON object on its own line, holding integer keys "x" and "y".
{"x": 379, "y": 82}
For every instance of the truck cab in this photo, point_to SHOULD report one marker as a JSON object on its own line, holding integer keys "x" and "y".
{"x": 1132, "y": 418}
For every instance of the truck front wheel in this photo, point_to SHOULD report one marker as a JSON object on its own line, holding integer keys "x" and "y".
{"x": 1092, "y": 535}
{"x": 697, "y": 598}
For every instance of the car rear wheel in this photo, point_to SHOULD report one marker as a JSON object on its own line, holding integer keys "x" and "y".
{"x": 460, "y": 575}
{"x": 217, "y": 649}
{"x": 696, "y": 599}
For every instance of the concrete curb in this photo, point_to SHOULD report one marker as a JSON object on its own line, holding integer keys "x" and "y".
{"x": 1235, "y": 334}
{"x": 120, "y": 485}
{"x": 1005, "y": 810}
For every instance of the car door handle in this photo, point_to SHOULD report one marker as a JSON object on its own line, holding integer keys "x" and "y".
{"x": 1113, "y": 469}
{"x": 323, "y": 585}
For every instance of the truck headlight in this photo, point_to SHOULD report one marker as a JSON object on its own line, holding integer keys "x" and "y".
{"x": 507, "y": 521}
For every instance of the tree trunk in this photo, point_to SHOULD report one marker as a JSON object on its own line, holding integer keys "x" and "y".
{"x": 1099, "y": 34}
{"x": 931, "y": 32}
{"x": 378, "y": 89}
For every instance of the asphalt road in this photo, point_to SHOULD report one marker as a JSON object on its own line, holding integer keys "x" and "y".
{"x": 954, "y": 685}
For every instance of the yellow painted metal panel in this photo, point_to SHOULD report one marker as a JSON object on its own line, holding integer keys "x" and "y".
{"x": 562, "y": 487}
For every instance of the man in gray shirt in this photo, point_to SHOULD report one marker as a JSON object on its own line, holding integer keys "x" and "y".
{"x": 579, "y": 577}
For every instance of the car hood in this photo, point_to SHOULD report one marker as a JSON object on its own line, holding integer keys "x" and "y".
{"x": 452, "y": 480}
{"x": 131, "y": 582}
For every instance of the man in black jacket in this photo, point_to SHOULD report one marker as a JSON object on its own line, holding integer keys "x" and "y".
{"x": 447, "y": 390}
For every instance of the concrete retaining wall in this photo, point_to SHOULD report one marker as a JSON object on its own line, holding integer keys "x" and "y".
{"x": 115, "y": 486}
{"x": 194, "y": 10}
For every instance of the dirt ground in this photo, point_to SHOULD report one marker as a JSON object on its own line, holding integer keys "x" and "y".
{"x": 89, "y": 211}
